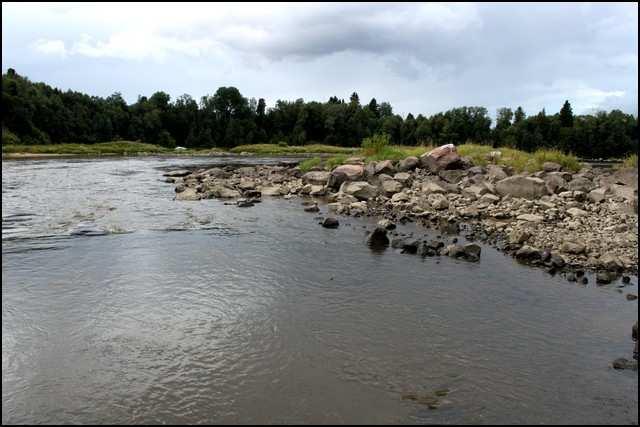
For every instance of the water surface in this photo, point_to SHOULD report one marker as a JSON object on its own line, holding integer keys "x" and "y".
{"x": 121, "y": 305}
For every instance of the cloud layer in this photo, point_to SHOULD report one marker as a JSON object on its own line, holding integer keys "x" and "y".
{"x": 423, "y": 58}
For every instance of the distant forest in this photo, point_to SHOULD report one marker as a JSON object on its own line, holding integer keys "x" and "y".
{"x": 36, "y": 113}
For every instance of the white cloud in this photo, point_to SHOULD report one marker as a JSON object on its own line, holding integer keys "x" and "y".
{"x": 50, "y": 47}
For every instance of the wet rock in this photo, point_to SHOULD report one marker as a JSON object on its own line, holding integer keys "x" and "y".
{"x": 272, "y": 190}
{"x": 527, "y": 253}
{"x": 625, "y": 364}
{"x": 378, "y": 238}
{"x": 603, "y": 278}
{"x": 330, "y": 222}
{"x": 522, "y": 186}
{"x": 454, "y": 251}
{"x": 386, "y": 224}
{"x": 472, "y": 251}
{"x": 632, "y": 297}
{"x": 626, "y": 279}
{"x": 188, "y": 194}
{"x": 244, "y": 203}
{"x": 252, "y": 194}
{"x": 410, "y": 246}
{"x": 571, "y": 277}
{"x": 180, "y": 188}
{"x": 177, "y": 173}
{"x": 584, "y": 280}
{"x": 557, "y": 261}
{"x": 312, "y": 208}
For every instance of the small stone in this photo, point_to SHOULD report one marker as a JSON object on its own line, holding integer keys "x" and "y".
{"x": 330, "y": 222}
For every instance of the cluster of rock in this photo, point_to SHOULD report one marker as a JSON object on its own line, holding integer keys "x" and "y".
{"x": 552, "y": 218}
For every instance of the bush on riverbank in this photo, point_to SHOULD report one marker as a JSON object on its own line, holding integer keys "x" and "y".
{"x": 630, "y": 162}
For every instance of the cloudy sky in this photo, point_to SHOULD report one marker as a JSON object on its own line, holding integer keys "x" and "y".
{"x": 423, "y": 58}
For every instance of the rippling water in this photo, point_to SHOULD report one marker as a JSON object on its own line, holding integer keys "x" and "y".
{"x": 121, "y": 305}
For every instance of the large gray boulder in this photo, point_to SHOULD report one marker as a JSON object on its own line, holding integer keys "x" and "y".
{"x": 345, "y": 173}
{"x": 408, "y": 164}
{"x": 522, "y": 186}
{"x": 361, "y": 190}
{"x": 316, "y": 177}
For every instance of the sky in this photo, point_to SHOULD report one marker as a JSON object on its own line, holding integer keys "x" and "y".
{"x": 421, "y": 57}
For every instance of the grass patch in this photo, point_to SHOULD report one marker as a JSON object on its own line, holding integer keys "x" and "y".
{"x": 520, "y": 161}
{"x": 102, "y": 148}
{"x": 307, "y": 165}
{"x": 630, "y": 162}
{"x": 334, "y": 161}
{"x": 271, "y": 149}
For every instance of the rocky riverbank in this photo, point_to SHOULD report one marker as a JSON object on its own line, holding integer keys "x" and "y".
{"x": 559, "y": 220}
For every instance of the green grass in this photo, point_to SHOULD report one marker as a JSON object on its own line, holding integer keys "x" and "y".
{"x": 307, "y": 165}
{"x": 102, "y": 148}
{"x": 519, "y": 160}
{"x": 630, "y": 162}
{"x": 334, "y": 161}
{"x": 265, "y": 149}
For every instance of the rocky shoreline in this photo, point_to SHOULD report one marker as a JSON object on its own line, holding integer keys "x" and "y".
{"x": 564, "y": 222}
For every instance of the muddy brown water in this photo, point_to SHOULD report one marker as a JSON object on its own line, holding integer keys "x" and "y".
{"x": 121, "y": 305}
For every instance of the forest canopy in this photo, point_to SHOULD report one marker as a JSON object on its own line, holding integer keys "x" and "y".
{"x": 36, "y": 113}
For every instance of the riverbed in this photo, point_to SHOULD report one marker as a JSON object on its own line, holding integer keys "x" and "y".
{"x": 122, "y": 305}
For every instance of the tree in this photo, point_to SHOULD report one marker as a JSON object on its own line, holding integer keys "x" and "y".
{"x": 566, "y": 115}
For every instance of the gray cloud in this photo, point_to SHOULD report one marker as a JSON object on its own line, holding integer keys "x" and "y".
{"x": 423, "y": 58}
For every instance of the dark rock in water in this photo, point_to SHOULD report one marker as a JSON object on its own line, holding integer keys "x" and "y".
{"x": 603, "y": 278}
{"x": 312, "y": 208}
{"x": 435, "y": 244}
{"x": 631, "y": 297}
{"x": 425, "y": 250}
{"x": 378, "y": 238}
{"x": 571, "y": 277}
{"x": 527, "y": 253}
{"x": 472, "y": 251}
{"x": 410, "y": 246}
{"x": 557, "y": 261}
{"x": 625, "y": 364}
{"x": 251, "y": 194}
{"x": 180, "y": 188}
{"x": 330, "y": 223}
{"x": 579, "y": 273}
{"x": 626, "y": 279}
{"x": 585, "y": 280}
{"x": 545, "y": 255}
{"x": 398, "y": 242}
{"x": 634, "y": 331}
{"x": 243, "y": 203}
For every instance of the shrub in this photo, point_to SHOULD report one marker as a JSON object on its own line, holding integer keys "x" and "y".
{"x": 307, "y": 165}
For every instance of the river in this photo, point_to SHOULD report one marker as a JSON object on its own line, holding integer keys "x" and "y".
{"x": 121, "y": 305}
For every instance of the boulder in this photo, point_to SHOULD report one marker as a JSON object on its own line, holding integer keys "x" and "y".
{"x": 575, "y": 212}
{"x": 555, "y": 182}
{"x": 580, "y": 183}
{"x": 522, "y": 186}
{"x": 378, "y": 237}
{"x": 403, "y": 177}
{"x": 386, "y": 224}
{"x": 385, "y": 166}
{"x": 345, "y": 173}
{"x": 495, "y": 173}
{"x": 452, "y": 176}
{"x": 220, "y": 191}
{"x": 189, "y": 194}
{"x": 361, "y": 190}
{"x": 527, "y": 253}
{"x": 598, "y": 195}
{"x": 272, "y": 190}
{"x": 391, "y": 186}
{"x": 408, "y": 164}
{"x": 472, "y": 251}
{"x": 443, "y": 157}
{"x": 518, "y": 236}
{"x": 573, "y": 247}
{"x": 316, "y": 177}
{"x": 330, "y": 222}
{"x": 530, "y": 218}
{"x": 431, "y": 187}
{"x": 551, "y": 167}
{"x": 438, "y": 201}
{"x": 177, "y": 173}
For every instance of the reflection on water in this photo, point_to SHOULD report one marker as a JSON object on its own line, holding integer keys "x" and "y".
{"x": 198, "y": 312}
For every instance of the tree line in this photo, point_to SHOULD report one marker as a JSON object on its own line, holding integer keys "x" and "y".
{"x": 36, "y": 113}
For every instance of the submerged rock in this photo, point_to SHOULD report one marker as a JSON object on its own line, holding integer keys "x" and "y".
{"x": 378, "y": 238}
{"x": 330, "y": 222}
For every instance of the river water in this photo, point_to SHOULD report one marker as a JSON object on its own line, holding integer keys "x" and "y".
{"x": 121, "y": 305}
